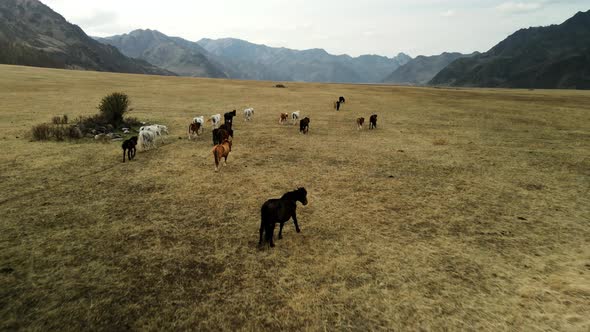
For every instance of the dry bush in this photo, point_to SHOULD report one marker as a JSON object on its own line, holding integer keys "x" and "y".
{"x": 74, "y": 132}
{"x": 41, "y": 132}
{"x": 58, "y": 132}
{"x": 56, "y": 120}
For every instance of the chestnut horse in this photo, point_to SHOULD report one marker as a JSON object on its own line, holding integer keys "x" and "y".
{"x": 280, "y": 211}
{"x": 221, "y": 151}
{"x": 194, "y": 128}
{"x": 359, "y": 123}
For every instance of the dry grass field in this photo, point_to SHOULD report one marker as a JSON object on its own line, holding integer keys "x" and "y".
{"x": 465, "y": 210}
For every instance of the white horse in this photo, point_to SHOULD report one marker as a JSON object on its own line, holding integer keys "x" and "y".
{"x": 201, "y": 121}
{"x": 295, "y": 117}
{"x": 146, "y": 140}
{"x": 215, "y": 120}
{"x": 248, "y": 112}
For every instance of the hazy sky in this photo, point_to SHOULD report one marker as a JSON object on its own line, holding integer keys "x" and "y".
{"x": 384, "y": 27}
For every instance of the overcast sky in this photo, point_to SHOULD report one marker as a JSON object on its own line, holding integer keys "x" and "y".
{"x": 384, "y": 27}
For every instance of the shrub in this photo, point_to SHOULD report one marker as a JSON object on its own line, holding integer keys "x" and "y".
{"x": 113, "y": 107}
{"x": 74, "y": 132}
{"x": 58, "y": 132}
{"x": 41, "y": 132}
{"x": 56, "y": 120}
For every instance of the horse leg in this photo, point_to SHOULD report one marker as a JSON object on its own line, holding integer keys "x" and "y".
{"x": 295, "y": 222}
{"x": 261, "y": 228}
{"x": 270, "y": 229}
{"x": 123, "y": 155}
{"x": 281, "y": 231}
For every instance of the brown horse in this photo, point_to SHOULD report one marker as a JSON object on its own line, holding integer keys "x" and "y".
{"x": 221, "y": 151}
{"x": 194, "y": 128}
{"x": 283, "y": 118}
{"x": 359, "y": 123}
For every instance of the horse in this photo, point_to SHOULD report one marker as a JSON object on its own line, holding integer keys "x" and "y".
{"x": 215, "y": 120}
{"x": 359, "y": 123}
{"x": 129, "y": 146}
{"x": 304, "y": 125}
{"x": 221, "y": 134}
{"x": 221, "y": 151}
{"x": 228, "y": 118}
{"x": 248, "y": 112}
{"x": 194, "y": 128}
{"x": 342, "y": 100}
{"x": 295, "y": 116}
{"x": 146, "y": 139}
{"x": 373, "y": 121}
{"x": 283, "y": 118}
{"x": 337, "y": 105}
{"x": 280, "y": 211}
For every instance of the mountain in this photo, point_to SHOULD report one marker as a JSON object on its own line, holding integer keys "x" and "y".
{"x": 556, "y": 56}
{"x": 34, "y": 35}
{"x": 175, "y": 54}
{"x": 261, "y": 62}
{"x": 420, "y": 70}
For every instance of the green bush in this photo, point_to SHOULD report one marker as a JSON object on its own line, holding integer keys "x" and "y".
{"x": 113, "y": 107}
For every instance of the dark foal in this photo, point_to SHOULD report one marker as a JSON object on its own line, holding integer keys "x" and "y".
{"x": 304, "y": 125}
{"x": 129, "y": 147}
{"x": 373, "y": 121}
{"x": 280, "y": 211}
{"x": 229, "y": 118}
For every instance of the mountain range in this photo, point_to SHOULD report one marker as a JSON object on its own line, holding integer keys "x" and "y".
{"x": 32, "y": 34}
{"x": 420, "y": 70}
{"x": 239, "y": 59}
{"x": 556, "y": 56}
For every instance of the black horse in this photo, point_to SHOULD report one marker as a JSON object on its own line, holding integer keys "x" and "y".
{"x": 129, "y": 147}
{"x": 280, "y": 211}
{"x": 304, "y": 125}
{"x": 229, "y": 118}
{"x": 373, "y": 121}
{"x": 222, "y": 133}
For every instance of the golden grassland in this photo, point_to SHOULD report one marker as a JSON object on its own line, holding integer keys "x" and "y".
{"x": 465, "y": 210}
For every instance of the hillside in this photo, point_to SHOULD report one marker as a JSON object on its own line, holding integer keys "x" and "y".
{"x": 556, "y": 56}
{"x": 34, "y": 35}
{"x": 420, "y": 70}
{"x": 261, "y": 62}
{"x": 171, "y": 53}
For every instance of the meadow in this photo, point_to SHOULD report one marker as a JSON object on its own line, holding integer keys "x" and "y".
{"x": 466, "y": 209}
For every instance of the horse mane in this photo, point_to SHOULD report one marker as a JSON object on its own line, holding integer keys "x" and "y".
{"x": 293, "y": 195}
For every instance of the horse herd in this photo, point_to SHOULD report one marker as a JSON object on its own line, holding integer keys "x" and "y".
{"x": 273, "y": 211}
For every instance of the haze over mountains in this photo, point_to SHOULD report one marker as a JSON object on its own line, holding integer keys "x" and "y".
{"x": 557, "y": 56}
